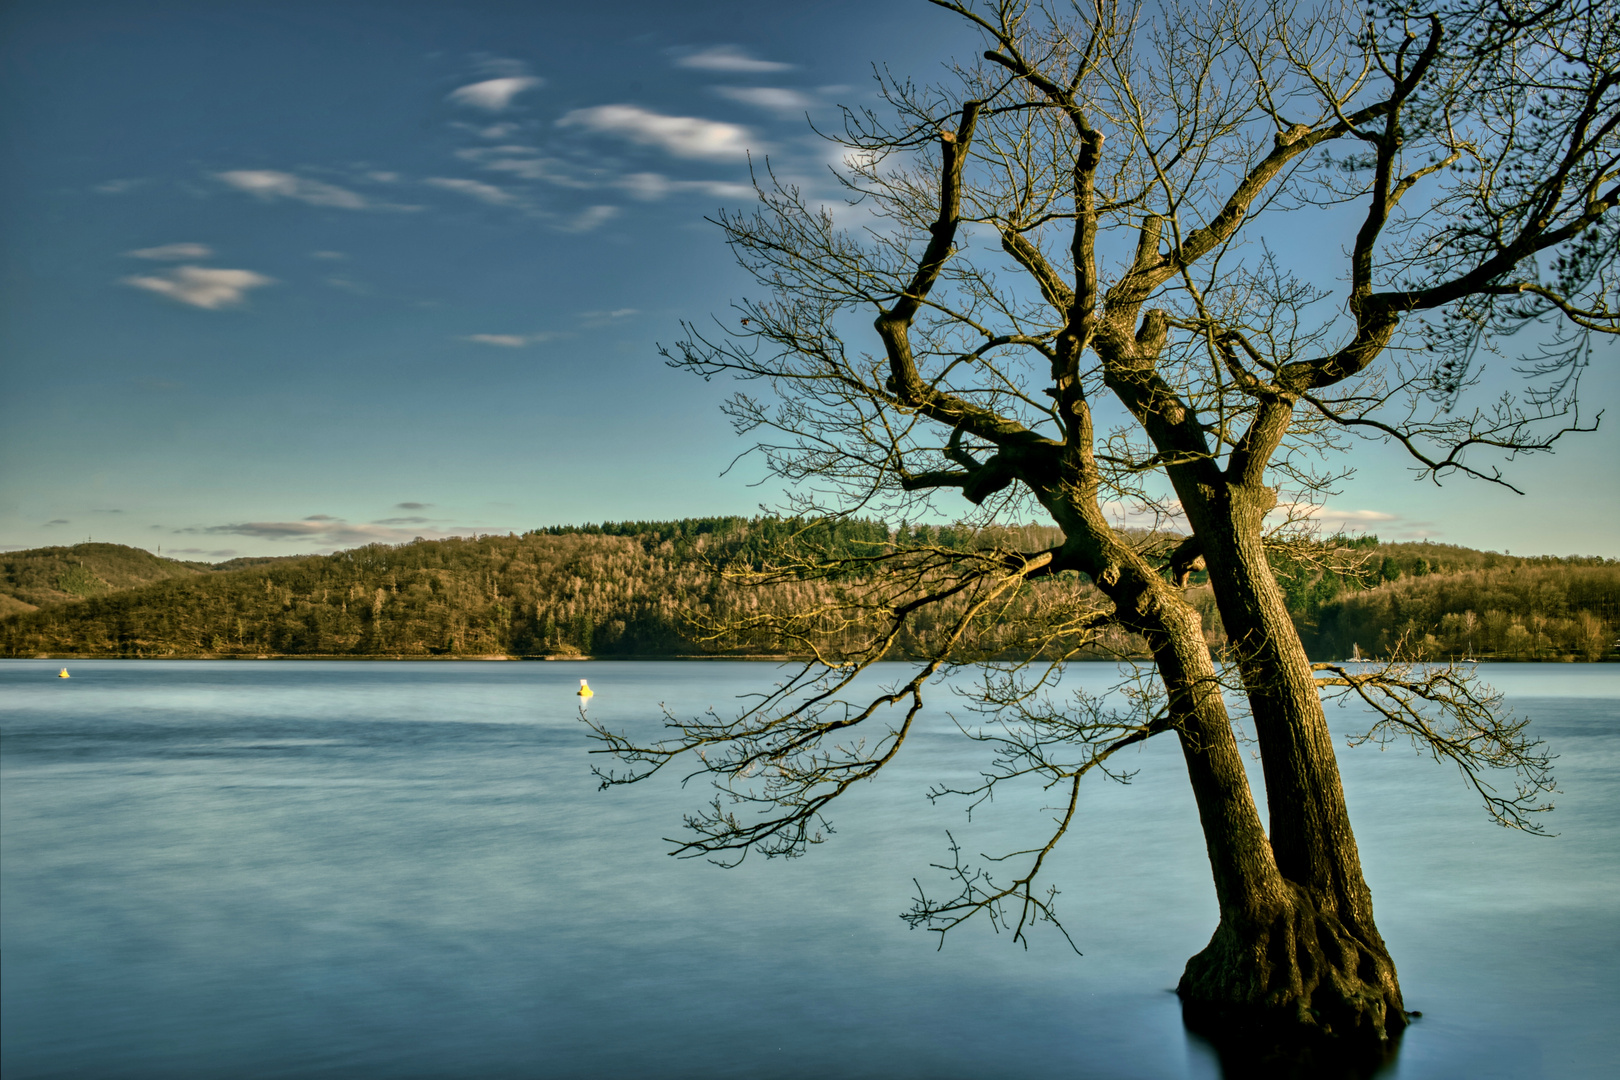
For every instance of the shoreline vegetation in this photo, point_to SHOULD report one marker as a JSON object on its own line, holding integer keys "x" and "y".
{"x": 630, "y": 590}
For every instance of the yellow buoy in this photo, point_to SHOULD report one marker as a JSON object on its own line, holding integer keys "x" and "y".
{"x": 585, "y": 690}
{"x": 63, "y": 674}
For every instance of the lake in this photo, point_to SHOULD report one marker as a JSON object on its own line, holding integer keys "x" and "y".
{"x": 310, "y": 869}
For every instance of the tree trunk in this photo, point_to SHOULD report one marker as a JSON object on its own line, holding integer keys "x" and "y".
{"x": 1283, "y": 967}
{"x": 1314, "y": 962}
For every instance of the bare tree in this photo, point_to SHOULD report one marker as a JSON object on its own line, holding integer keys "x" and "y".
{"x": 1068, "y": 253}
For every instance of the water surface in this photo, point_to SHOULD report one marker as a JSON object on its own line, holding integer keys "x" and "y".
{"x": 405, "y": 870}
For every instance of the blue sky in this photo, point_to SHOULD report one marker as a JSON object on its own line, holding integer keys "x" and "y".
{"x": 285, "y": 277}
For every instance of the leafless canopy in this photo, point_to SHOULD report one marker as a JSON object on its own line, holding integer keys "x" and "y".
{"x": 1157, "y": 260}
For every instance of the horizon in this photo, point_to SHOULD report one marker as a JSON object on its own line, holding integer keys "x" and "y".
{"x": 589, "y": 526}
{"x": 288, "y": 275}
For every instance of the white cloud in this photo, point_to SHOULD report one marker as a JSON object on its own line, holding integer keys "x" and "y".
{"x": 487, "y": 153}
{"x": 323, "y": 531}
{"x": 1357, "y": 515}
{"x": 650, "y": 187}
{"x": 647, "y": 186}
{"x": 683, "y": 136}
{"x": 487, "y": 193}
{"x": 774, "y": 98}
{"x": 1331, "y": 519}
{"x": 493, "y": 95}
{"x": 551, "y": 170}
{"x": 503, "y": 129}
{"x": 596, "y": 320}
{"x": 727, "y": 58}
{"x": 118, "y": 187}
{"x": 202, "y": 286}
{"x": 526, "y": 163}
{"x": 516, "y": 341}
{"x": 268, "y": 184}
{"x": 589, "y": 218}
{"x": 173, "y": 252}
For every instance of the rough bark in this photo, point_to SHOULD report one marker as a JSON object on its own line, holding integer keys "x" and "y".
{"x": 1296, "y": 958}
{"x": 1315, "y": 963}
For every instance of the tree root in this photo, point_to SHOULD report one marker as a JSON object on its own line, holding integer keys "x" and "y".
{"x": 1296, "y": 990}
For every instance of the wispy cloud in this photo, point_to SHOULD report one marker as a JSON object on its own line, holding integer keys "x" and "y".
{"x": 493, "y": 95}
{"x": 650, "y": 187}
{"x": 173, "y": 252}
{"x": 329, "y": 255}
{"x": 513, "y": 341}
{"x": 773, "y": 98}
{"x": 1331, "y": 519}
{"x": 412, "y": 506}
{"x": 683, "y": 136}
{"x": 268, "y": 184}
{"x": 201, "y": 286}
{"x": 727, "y": 58}
{"x": 486, "y": 193}
{"x": 58, "y": 521}
{"x": 528, "y": 164}
{"x": 324, "y": 531}
{"x": 591, "y": 217}
{"x": 118, "y": 187}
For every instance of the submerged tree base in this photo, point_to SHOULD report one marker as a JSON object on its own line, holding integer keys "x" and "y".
{"x": 1297, "y": 992}
{"x": 1249, "y": 1054}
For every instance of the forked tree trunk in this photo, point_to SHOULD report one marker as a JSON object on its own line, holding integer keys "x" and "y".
{"x": 1316, "y": 961}
{"x": 1293, "y": 961}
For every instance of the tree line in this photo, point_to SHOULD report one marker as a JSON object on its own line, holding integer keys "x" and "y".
{"x": 647, "y": 588}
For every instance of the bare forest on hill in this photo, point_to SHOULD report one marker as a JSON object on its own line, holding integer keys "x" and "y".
{"x": 651, "y": 588}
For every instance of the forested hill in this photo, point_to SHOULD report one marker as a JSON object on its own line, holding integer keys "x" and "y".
{"x": 624, "y": 589}
{"x": 54, "y": 575}
{"x": 611, "y": 589}
{"x": 1446, "y": 601}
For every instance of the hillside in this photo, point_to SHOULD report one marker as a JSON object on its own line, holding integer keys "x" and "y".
{"x": 58, "y": 575}
{"x": 628, "y": 589}
{"x": 1522, "y": 612}
{"x": 622, "y": 589}
{"x": 41, "y": 577}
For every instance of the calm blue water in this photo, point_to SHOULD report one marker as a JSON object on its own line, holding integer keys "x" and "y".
{"x": 404, "y": 870}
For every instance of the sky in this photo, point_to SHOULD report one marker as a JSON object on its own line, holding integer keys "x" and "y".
{"x": 292, "y": 277}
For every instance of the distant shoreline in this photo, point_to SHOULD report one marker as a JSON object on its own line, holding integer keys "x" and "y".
{"x": 650, "y": 657}
{"x": 394, "y": 657}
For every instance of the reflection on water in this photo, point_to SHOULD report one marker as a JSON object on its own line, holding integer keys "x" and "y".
{"x": 1246, "y": 1058}
{"x": 394, "y": 869}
